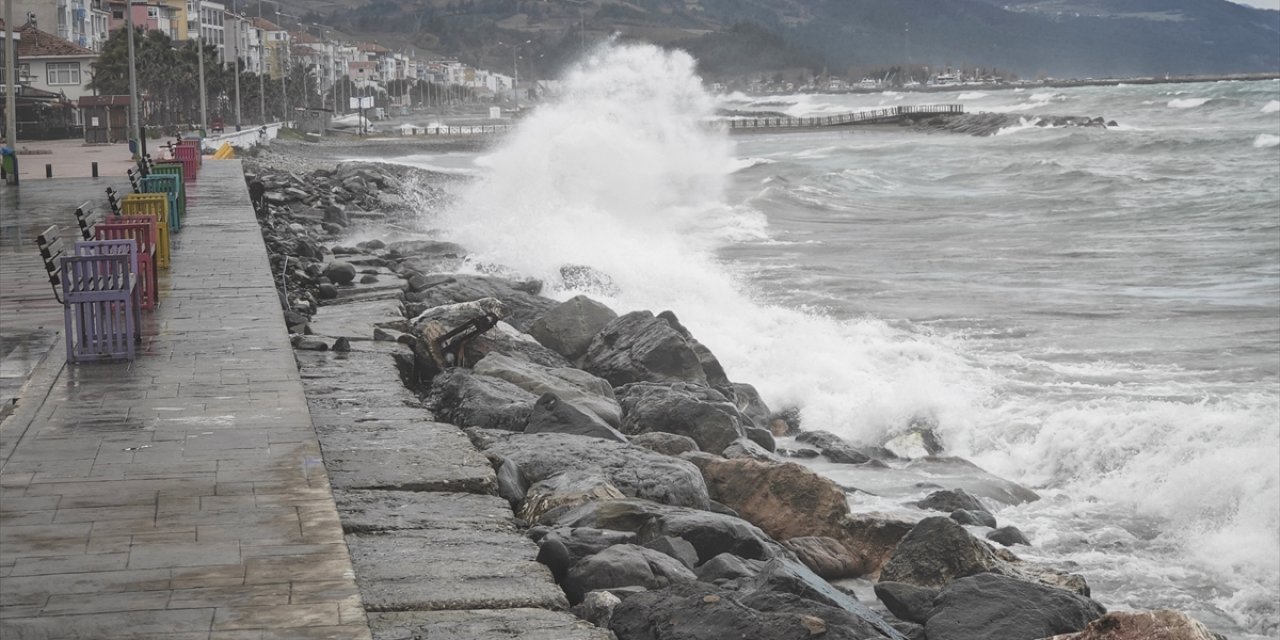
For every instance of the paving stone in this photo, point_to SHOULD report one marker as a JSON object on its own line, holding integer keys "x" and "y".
{"x": 373, "y": 511}
{"x": 450, "y": 569}
{"x": 401, "y": 455}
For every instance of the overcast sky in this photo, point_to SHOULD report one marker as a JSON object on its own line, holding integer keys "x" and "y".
{"x": 1265, "y": 4}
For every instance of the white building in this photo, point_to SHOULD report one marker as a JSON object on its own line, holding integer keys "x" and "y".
{"x": 50, "y": 63}
{"x": 211, "y": 21}
{"x": 81, "y": 22}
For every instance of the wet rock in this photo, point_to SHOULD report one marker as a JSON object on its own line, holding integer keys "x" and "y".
{"x": 522, "y": 308}
{"x": 512, "y": 485}
{"x": 638, "y": 347}
{"x": 935, "y": 552}
{"x": 668, "y": 444}
{"x": 761, "y": 437}
{"x": 744, "y": 448}
{"x": 1008, "y": 536}
{"x": 711, "y": 534}
{"x": 461, "y": 397}
{"x": 711, "y": 366}
{"x": 569, "y": 327}
{"x": 827, "y": 557}
{"x": 727, "y": 566}
{"x": 907, "y": 601}
{"x": 784, "y": 499}
{"x": 525, "y": 623}
{"x": 833, "y": 447}
{"x": 306, "y": 343}
{"x": 917, "y": 443}
{"x": 949, "y": 500}
{"x": 573, "y": 386}
{"x": 624, "y": 565}
{"x": 342, "y": 345}
{"x": 580, "y": 542}
{"x": 783, "y": 575}
{"x": 751, "y": 406}
{"x": 976, "y": 481}
{"x": 677, "y": 548}
{"x": 340, "y": 272}
{"x": 875, "y": 537}
{"x": 327, "y": 291}
{"x": 597, "y": 608}
{"x": 552, "y": 415}
{"x": 568, "y": 489}
{"x": 684, "y": 409}
{"x": 1161, "y": 624}
{"x": 368, "y": 279}
{"x": 803, "y": 454}
{"x": 1001, "y": 608}
{"x": 635, "y": 471}
{"x": 974, "y": 518}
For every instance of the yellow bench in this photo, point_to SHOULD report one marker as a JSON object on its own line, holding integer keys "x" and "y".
{"x": 155, "y": 205}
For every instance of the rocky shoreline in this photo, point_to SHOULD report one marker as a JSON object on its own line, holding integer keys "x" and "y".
{"x": 500, "y": 458}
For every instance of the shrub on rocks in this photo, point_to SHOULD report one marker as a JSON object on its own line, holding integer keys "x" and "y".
{"x": 997, "y": 607}
{"x": 635, "y": 471}
{"x": 569, "y": 327}
{"x": 685, "y": 409}
{"x": 639, "y": 347}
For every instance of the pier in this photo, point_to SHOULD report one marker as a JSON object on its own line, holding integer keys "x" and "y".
{"x": 876, "y": 116}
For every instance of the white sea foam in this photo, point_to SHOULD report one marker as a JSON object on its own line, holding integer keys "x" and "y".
{"x": 1023, "y": 125}
{"x": 1187, "y": 103}
{"x": 1271, "y": 107}
{"x": 971, "y": 95}
{"x": 1266, "y": 141}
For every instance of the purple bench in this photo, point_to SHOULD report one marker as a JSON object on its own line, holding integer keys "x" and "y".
{"x": 100, "y": 295}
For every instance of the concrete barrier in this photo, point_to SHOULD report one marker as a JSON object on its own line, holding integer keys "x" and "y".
{"x": 247, "y": 137}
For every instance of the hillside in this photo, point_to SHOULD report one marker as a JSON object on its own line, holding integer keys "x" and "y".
{"x": 732, "y": 38}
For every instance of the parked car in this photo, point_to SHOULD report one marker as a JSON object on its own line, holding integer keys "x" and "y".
{"x": 216, "y": 126}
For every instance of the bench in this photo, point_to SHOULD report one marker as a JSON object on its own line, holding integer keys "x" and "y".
{"x": 113, "y": 201}
{"x": 155, "y": 205}
{"x": 170, "y": 186}
{"x": 100, "y": 301}
{"x": 140, "y": 229}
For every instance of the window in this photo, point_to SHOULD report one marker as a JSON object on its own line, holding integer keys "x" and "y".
{"x": 63, "y": 72}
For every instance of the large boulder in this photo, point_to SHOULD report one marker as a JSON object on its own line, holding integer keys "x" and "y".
{"x": 523, "y": 307}
{"x": 639, "y": 347}
{"x": 751, "y": 405}
{"x": 635, "y": 471}
{"x": 711, "y": 534}
{"x": 569, "y": 327}
{"x": 907, "y": 601}
{"x": 949, "y": 500}
{"x": 668, "y": 444}
{"x": 568, "y": 489}
{"x": 573, "y": 386}
{"x": 827, "y": 557}
{"x": 580, "y": 542}
{"x": 461, "y": 397}
{"x": 727, "y": 566}
{"x": 716, "y": 376}
{"x": 431, "y": 323}
{"x": 340, "y": 272}
{"x": 996, "y": 607}
{"x": 1161, "y": 624}
{"x": 624, "y": 565}
{"x": 699, "y": 611}
{"x": 875, "y": 536}
{"x": 696, "y": 411}
{"x": 935, "y": 552}
{"x": 552, "y": 415}
{"x": 784, "y": 499}
{"x": 833, "y": 447}
{"x": 784, "y": 575}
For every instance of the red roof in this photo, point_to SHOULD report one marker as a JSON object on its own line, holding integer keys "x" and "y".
{"x": 35, "y": 43}
{"x": 302, "y": 37}
{"x": 266, "y": 25}
{"x": 372, "y": 47}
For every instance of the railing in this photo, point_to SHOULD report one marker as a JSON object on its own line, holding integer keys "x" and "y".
{"x": 456, "y": 130}
{"x": 891, "y": 113}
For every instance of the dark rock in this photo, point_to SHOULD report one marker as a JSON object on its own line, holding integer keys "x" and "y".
{"x": 551, "y": 415}
{"x": 722, "y": 509}
{"x": 584, "y": 391}
{"x": 727, "y": 566}
{"x": 327, "y": 292}
{"x": 744, "y": 448}
{"x": 633, "y": 470}
{"x": 676, "y": 548}
{"x": 581, "y": 542}
{"x": 372, "y": 245}
{"x": 569, "y": 327}
{"x": 340, "y": 272}
{"x": 638, "y": 347}
{"x": 368, "y": 279}
{"x": 711, "y": 534}
{"x": 949, "y": 500}
{"x": 342, "y": 345}
{"x": 711, "y": 366}
{"x": 833, "y": 447}
{"x": 935, "y": 552}
{"x": 511, "y": 483}
{"x": 963, "y": 474}
{"x": 668, "y": 444}
{"x": 310, "y": 344}
{"x": 907, "y": 601}
{"x": 751, "y": 405}
{"x": 685, "y": 409}
{"x": 522, "y": 308}
{"x": 762, "y": 437}
{"x": 1008, "y": 536}
{"x": 336, "y": 214}
{"x": 624, "y": 565}
{"x": 996, "y": 607}
{"x": 827, "y": 557}
{"x": 461, "y": 397}
{"x": 428, "y": 248}
{"x": 803, "y": 454}
{"x": 1161, "y": 624}
{"x": 789, "y": 576}
{"x": 553, "y": 553}
{"x": 974, "y": 518}
{"x": 597, "y": 608}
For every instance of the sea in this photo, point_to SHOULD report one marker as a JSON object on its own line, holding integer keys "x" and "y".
{"x": 1093, "y": 313}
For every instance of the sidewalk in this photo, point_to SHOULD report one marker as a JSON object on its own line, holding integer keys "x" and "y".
{"x": 183, "y": 497}
{"x": 74, "y": 159}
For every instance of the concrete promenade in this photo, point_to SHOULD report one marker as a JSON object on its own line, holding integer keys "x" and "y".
{"x": 181, "y": 497}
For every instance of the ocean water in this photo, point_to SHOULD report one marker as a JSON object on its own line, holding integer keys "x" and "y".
{"x": 1094, "y": 313}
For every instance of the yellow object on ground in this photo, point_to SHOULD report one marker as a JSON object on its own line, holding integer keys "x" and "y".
{"x": 225, "y": 152}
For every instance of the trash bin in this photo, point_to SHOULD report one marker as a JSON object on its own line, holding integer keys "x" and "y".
{"x": 8, "y": 162}
{"x": 133, "y": 147}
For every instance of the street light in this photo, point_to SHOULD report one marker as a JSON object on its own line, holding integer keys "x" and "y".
{"x": 515, "y": 66}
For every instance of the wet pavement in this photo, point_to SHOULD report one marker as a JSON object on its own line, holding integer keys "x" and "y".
{"x": 181, "y": 496}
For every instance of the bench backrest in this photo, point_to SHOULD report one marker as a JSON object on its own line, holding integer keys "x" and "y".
{"x": 140, "y": 229}
{"x": 133, "y": 180}
{"x": 113, "y": 200}
{"x": 51, "y": 250}
{"x": 88, "y": 220}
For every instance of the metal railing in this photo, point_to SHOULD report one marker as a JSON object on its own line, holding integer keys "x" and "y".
{"x": 456, "y": 130}
{"x": 856, "y": 117}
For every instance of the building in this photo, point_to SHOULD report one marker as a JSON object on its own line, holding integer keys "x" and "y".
{"x": 275, "y": 50}
{"x": 210, "y": 24}
{"x": 49, "y": 63}
{"x": 150, "y": 16}
{"x": 81, "y": 22}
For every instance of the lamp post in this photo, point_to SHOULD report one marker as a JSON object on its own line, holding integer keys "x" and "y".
{"x": 238, "y": 20}
{"x": 204, "y": 102}
{"x": 135, "y": 124}
{"x": 515, "y": 67}
{"x": 10, "y": 92}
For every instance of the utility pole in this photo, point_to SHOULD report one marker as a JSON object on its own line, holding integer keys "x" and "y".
{"x": 135, "y": 122}
{"x": 204, "y": 100}
{"x": 262, "y": 70}
{"x": 10, "y": 91}
{"x": 238, "y": 20}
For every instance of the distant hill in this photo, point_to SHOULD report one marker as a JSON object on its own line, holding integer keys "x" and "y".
{"x": 1062, "y": 38}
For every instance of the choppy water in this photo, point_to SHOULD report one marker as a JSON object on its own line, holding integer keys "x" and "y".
{"x": 1094, "y": 313}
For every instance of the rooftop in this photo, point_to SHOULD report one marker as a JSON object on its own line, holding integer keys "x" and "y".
{"x": 35, "y": 43}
